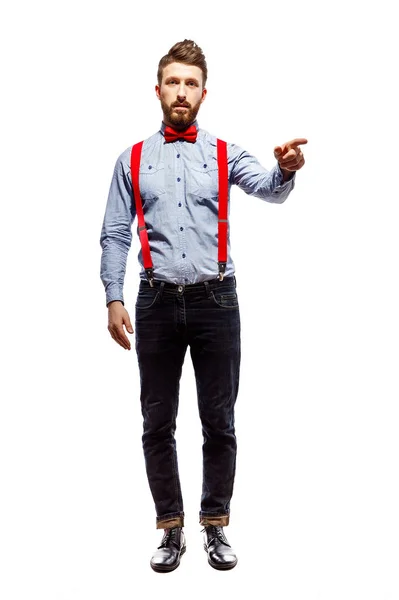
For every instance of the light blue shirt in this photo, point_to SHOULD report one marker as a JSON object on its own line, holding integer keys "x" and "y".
{"x": 179, "y": 190}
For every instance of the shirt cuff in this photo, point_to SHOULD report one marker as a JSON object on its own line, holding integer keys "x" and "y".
{"x": 114, "y": 293}
{"x": 280, "y": 174}
{"x": 282, "y": 185}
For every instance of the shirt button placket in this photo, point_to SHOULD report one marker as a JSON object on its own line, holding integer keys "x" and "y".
{"x": 180, "y": 196}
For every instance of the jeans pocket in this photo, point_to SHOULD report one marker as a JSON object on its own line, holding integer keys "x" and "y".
{"x": 147, "y": 298}
{"x": 225, "y": 299}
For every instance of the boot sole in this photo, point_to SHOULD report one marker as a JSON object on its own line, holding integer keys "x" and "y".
{"x": 166, "y": 569}
{"x": 220, "y": 567}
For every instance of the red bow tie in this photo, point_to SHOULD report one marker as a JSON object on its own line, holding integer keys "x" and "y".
{"x": 189, "y": 134}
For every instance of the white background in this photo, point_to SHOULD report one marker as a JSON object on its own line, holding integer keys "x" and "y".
{"x": 314, "y": 513}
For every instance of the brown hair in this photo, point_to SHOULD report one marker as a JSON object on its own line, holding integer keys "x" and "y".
{"x": 188, "y": 53}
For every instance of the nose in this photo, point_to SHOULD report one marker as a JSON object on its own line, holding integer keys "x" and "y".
{"x": 182, "y": 92}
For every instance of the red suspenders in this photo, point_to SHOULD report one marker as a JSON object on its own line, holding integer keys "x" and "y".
{"x": 222, "y": 221}
{"x": 223, "y": 193}
{"x": 145, "y": 246}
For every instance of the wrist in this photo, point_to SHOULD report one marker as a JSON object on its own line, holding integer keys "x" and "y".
{"x": 113, "y": 301}
{"x": 286, "y": 174}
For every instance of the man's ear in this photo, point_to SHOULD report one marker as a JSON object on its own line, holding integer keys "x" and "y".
{"x": 157, "y": 91}
{"x": 204, "y": 92}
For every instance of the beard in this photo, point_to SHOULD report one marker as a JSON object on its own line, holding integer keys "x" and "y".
{"x": 180, "y": 119}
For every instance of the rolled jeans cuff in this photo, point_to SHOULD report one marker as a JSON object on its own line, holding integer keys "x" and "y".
{"x": 169, "y": 523}
{"x": 222, "y": 520}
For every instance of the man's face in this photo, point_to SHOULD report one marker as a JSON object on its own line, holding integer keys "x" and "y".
{"x": 181, "y": 94}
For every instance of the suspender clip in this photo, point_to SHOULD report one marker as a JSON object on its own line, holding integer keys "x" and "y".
{"x": 150, "y": 276}
{"x": 222, "y": 269}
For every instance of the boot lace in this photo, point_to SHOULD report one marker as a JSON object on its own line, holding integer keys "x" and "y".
{"x": 215, "y": 532}
{"x": 169, "y": 536}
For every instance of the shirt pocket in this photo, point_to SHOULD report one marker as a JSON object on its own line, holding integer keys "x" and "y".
{"x": 152, "y": 181}
{"x": 203, "y": 181}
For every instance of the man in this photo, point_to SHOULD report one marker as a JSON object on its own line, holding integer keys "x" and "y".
{"x": 187, "y": 297}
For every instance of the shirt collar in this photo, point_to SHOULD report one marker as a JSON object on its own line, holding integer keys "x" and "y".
{"x": 163, "y": 125}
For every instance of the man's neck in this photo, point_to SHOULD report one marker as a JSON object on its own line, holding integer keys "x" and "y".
{"x": 181, "y": 127}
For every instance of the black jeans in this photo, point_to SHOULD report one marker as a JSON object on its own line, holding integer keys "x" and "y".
{"x": 168, "y": 318}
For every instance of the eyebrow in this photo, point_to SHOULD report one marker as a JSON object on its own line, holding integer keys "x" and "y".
{"x": 187, "y": 79}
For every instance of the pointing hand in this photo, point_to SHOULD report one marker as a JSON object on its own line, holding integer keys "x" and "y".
{"x": 289, "y": 155}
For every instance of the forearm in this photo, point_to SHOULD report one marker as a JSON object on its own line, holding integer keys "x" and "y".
{"x": 256, "y": 180}
{"x": 113, "y": 269}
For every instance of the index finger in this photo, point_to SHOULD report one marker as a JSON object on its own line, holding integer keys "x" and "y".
{"x": 295, "y": 142}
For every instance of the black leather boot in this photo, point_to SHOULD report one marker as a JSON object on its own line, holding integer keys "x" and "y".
{"x": 167, "y": 555}
{"x": 220, "y": 553}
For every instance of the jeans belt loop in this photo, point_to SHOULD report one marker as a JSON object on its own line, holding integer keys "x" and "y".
{"x": 207, "y": 289}
{"x": 161, "y": 289}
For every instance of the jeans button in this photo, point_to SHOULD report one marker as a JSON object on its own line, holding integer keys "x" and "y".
{"x": 180, "y": 288}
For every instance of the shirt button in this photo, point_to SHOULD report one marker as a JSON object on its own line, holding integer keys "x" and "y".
{"x": 205, "y": 166}
{"x": 179, "y": 204}
{"x": 181, "y": 228}
{"x": 178, "y": 179}
{"x": 183, "y": 255}
{"x": 150, "y": 166}
{"x": 185, "y": 279}
{"x": 178, "y": 156}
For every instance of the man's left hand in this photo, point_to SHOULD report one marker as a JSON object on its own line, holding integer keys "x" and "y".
{"x": 289, "y": 156}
